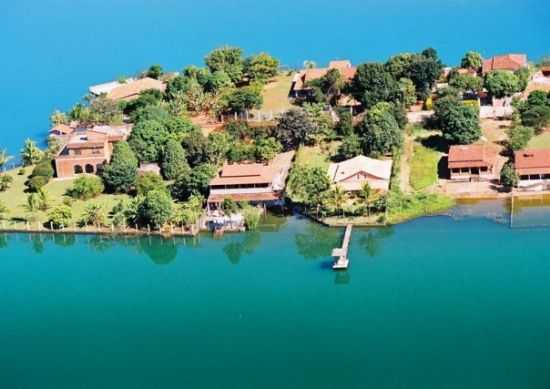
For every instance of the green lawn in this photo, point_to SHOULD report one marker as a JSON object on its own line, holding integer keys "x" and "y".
{"x": 541, "y": 141}
{"x": 423, "y": 165}
{"x": 15, "y": 199}
{"x": 275, "y": 94}
{"x": 314, "y": 156}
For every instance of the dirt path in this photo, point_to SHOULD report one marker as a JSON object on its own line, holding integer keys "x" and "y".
{"x": 405, "y": 168}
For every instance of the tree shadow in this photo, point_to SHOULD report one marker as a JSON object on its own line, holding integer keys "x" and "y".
{"x": 436, "y": 142}
{"x": 443, "y": 168}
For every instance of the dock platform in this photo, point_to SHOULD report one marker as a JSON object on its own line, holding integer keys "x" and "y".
{"x": 341, "y": 253}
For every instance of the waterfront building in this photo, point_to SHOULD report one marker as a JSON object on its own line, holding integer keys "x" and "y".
{"x": 257, "y": 183}
{"x": 478, "y": 162}
{"x": 87, "y": 150}
{"x": 533, "y": 168}
{"x": 128, "y": 90}
{"x": 352, "y": 174}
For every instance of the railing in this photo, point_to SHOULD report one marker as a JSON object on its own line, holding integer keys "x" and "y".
{"x": 240, "y": 190}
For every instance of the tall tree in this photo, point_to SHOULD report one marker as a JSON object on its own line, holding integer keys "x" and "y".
{"x": 501, "y": 83}
{"x": 373, "y": 84}
{"x": 472, "y": 60}
{"x": 30, "y": 153}
{"x": 293, "y": 128}
{"x": 380, "y": 131}
{"x": 121, "y": 173}
{"x": 261, "y": 67}
{"x": 228, "y": 59}
{"x": 174, "y": 162}
{"x": 458, "y": 122}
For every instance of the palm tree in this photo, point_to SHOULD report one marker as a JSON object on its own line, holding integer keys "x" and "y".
{"x": 4, "y": 158}
{"x": 337, "y": 198}
{"x": 94, "y": 214}
{"x": 309, "y": 64}
{"x": 30, "y": 153}
{"x": 366, "y": 194}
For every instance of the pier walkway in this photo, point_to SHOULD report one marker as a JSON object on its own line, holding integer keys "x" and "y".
{"x": 341, "y": 253}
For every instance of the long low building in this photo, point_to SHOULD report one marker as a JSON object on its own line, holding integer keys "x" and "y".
{"x": 352, "y": 174}
{"x": 128, "y": 90}
{"x": 251, "y": 182}
{"x": 533, "y": 168}
{"x": 473, "y": 162}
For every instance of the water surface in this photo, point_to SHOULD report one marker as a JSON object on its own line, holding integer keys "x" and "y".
{"x": 435, "y": 303}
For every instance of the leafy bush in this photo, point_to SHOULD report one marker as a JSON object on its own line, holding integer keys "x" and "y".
{"x": 86, "y": 187}
{"x": 5, "y": 182}
{"x": 155, "y": 209}
{"x": 519, "y": 137}
{"x": 60, "y": 216}
{"x": 148, "y": 182}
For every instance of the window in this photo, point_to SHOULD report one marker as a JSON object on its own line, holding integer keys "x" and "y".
{"x": 89, "y": 168}
{"x": 78, "y": 169}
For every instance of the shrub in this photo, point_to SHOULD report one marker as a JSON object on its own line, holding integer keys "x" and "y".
{"x": 156, "y": 208}
{"x": 508, "y": 176}
{"x": 148, "y": 182}
{"x": 252, "y": 217}
{"x": 5, "y": 182}
{"x": 174, "y": 163}
{"x": 34, "y": 184}
{"x": 85, "y": 188}
{"x": 60, "y": 216}
{"x": 519, "y": 137}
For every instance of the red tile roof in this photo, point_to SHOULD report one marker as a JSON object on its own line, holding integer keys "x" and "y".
{"x": 511, "y": 62}
{"x": 132, "y": 89}
{"x": 533, "y": 161}
{"x": 271, "y": 196}
{"x": 343, "y": 66}
{"x": 479, "y": 155}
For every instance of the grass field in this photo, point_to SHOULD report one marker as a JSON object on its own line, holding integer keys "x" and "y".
{"x": 316, "y": 156}
{"x": 423, "y": 168}
{"x": 541, "y": 141}
{"x": 275, "y": 94}
{"x": 15, "y": 199}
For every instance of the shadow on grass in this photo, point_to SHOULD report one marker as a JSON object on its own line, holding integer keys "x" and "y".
{"x": 443, "y": 168}
{"x": 436, "y": 142}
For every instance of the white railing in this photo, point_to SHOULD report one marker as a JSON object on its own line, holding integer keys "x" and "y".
{"x": 240, "y": 190}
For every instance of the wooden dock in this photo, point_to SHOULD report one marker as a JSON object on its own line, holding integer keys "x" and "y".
{"x": 340, "y": 254}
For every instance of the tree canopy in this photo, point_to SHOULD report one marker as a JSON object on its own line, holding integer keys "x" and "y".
{"x": 458, "y": 122}
{"x": 121, "y": 173}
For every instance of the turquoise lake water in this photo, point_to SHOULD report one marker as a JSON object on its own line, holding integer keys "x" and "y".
{"x": 434, "y": 303}
{"x": 52, "y": 50}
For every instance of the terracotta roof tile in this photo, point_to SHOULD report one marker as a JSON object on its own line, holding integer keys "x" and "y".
{"x": 472, "y": 156}
{"x": 132, "y": 89}
{"x": 532, "y": 161}
{"x": 511, "y": 62}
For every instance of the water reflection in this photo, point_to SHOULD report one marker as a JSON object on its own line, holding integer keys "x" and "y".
{"x": 342, "y": 278}
{"x": 317, "y": 241}
{"x": 3, "y": 241}
{"x": 160, "y": 251}
{"x": 371, "y": 240}
{"x": 244, "y": 244}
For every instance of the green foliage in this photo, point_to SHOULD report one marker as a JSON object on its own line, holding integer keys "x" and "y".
{"x": 219, "y": 144}
{"x": 398, "y": 65}
{"x": 242, "y": 99}
{"x": 148, "y": 139}
{"x": 322, "y": 122}
{"x": 423, "y": 167}
{"x": 508, "y": 176}
{"x": 401, "y": 207}
{"x": 148, "y": 182}
{"x": 519, "y": 137}
{"x": 535, "y": 112}
{"x": 328, "y": 88}
{"x": 252, "y": 216}
{"x": 103, "y": 110}
{"x": 5, "y": 182}
{"x": 424, "y": 71}
{"x": 94, "y": 215}
{"x": 472, "y": 60}
{"x": 465, "y": 82}
{"x": 350, "y": 147}
{"x": 154, "y": 71}
{"x": 373, "y": 84}
{"x": 86, "y": 187}
{"x": 155, "y": 209}
{"x": 120, "y": 174}
{"x": 30, "y": 153}
{"x": 60, "y": 216}
{"x": 267, "y": 149}
{"x": 307, "y": 184}
{"x": 217, "y": 81}
{"x": 151, "y": 97}
{"x": 502, "y": 83}
{"x": 380, "y": 131}
{"x": 227, "y": 59}
{"x": 174, "y": 162}
{"x": 408, "y": 91}
{"x": 4, "y": 158}
{"x": 58, "y": 117}
{"x": 41, "y": 174}
{"x": 196, "y": 149}
{"x": 194, "y": 183}
{"x": 261, "y": 67}
{"x": 523, "y": 75}
{"x": 344, "y": 127}
{"x": 459, "y": 123}
{"x": 189, "y": 212}
{"x": 294, "y": 128}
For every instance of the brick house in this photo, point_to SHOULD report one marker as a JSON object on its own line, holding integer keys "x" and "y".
{"x": 477, "y": 162}
{"x": 87, "y": 150}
